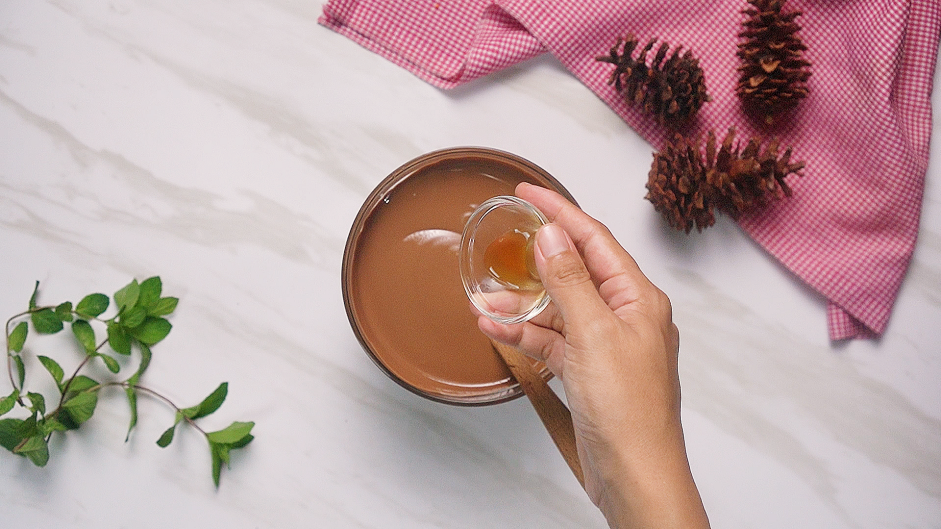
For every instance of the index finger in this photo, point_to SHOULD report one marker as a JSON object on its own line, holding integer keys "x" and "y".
{"x": 603, "y": 255}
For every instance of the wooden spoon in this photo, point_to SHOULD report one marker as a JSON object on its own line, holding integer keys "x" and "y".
{"x": 555, "y": 416}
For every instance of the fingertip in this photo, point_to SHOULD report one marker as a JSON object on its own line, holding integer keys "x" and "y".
{"x": 528, "y": 191}
{"x": 488, "y": 326}
{"x": 485, "y": 324}
{"x": 508, "y": 334}
{"x": 552, "y": 240}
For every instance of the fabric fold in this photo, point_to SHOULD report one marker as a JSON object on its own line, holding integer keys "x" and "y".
{"x": 443, "y": 43}
{"x": 864, "y": 131}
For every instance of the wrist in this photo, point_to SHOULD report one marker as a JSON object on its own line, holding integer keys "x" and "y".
{"x": 651, "y": 488}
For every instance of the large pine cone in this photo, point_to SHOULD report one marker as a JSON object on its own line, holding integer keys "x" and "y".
{"x": 677, "y": 187}
{"x": 686, "y": 185}
{"x": 671, "y": 91}
{"x": 773, "y": 71}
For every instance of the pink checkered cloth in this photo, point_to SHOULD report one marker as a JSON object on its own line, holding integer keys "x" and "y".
{"x": 864, "y": 131}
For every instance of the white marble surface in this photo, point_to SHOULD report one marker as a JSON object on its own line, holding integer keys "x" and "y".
{"x": 227, "y": 146}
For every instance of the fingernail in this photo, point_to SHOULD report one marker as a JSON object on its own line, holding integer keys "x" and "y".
{"x": 551, "y": 240}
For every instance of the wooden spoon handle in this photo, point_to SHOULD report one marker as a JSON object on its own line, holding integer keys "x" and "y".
{"x": 555, "y": 416}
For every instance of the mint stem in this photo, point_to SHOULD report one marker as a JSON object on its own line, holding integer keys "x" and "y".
{"x": 166, "y": 400}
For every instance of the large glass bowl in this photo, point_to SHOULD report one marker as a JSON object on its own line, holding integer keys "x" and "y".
{"x": 406, "y": 304}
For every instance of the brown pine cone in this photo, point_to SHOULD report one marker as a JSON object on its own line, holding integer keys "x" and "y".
{"x": 677, "y": 187}
{"x": 748, "y": 179}
{"x": 686, "y": 185}
{"x": 773, "y": 71}
{"x": 671, "y": 91}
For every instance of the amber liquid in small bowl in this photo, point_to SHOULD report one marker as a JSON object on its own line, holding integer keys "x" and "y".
{"x": 510, "y": 259}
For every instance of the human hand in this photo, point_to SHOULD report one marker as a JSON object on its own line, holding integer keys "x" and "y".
{"x": 608, "y": 335}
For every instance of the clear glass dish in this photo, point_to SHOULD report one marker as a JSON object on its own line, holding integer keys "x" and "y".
{"x": 498, "y": 268}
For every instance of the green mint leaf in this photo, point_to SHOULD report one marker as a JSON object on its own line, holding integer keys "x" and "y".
{"x": 17, "y": 338}
{"x": 231, "y": 434}
{"x": 236, "y": 435}
{"x": 126, "y": 298}
{"x": 20, "y": 369}
{"x": 242, "y": 442}
{"x": 118, "y": 338}
{"x": 64, "y": 311}
{"x": 144, "y": 363}
{"x": 150, "y": 290}
{"x": 163, "y": 307}
{"x": 45, "y": 321}
{"x": 132, "y": 402}
{"x": 133, "y": 317}
{"x": 167, "y": 437}
{"x": 10, "y": 433}
{"x": 132, "y": 393}
{"x": 92, "y": 306}
{"x": 32, "y": 299}
{"x": 54, "y": 369}
{"x": 85, "y": 335}
{"x": 74, "y": 414}
{"x": 209, "y": 404}
{"x": 151, "y": 331}
{"x": 7, "y": 403}
{"x": 220, "y": 451}
{"x": 49, "y": 425}
{"x": 79, "y": 384}
{"x": 146, "y": 355}
{"x": 110, "y": 363}
{"x": 35, "y": 449}
{"x": 37, "y": 402}
{"x": 28, "y": 427}
{"x": 81, "y": 407}
{"x": 216, "y": 452}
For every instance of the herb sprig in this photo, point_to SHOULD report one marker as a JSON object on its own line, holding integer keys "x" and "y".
{"x": 138, "y": 324}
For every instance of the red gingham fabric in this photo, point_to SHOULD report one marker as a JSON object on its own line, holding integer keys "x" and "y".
{"x": 864, "y": 131}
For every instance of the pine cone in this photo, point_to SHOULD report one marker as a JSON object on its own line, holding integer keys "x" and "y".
{"x": 677, "y": 187}
{"x": 671, "y": 91}
{"x": 686, "y": 185}
{"x": 774, "y": 72}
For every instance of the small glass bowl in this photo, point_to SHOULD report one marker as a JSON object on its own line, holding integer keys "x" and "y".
{"x": 497, "y": 265}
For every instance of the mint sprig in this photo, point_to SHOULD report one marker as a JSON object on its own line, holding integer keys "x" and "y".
{"x": 138, "y": 324}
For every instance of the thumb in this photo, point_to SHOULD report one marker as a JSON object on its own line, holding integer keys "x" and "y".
{"x": 565, "y": 276}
